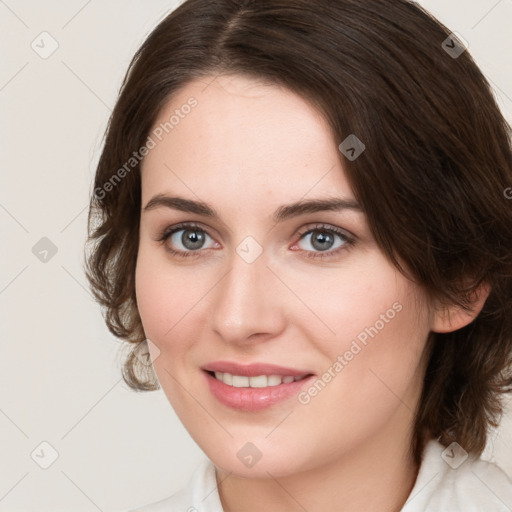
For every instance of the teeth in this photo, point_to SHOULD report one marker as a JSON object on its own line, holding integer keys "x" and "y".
{"x": 260, "y": 381}
{"x": 240, "y": 381}
{"x": 274, "y": 380}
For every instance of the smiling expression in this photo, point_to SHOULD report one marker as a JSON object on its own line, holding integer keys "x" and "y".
{"x": 230, "y": 275}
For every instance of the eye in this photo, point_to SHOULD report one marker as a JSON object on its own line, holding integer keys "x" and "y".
{"x": 188, "y": 238}
{"x": 326, "y": 241}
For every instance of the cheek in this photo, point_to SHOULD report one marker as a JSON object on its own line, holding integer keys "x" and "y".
{"x": 384, "y": 335}
{"x": 170, "y": 299}
{"x": 381, "y": 363}
{"x": 160, "y": 295}
{"x": 381, "y": 323}
{"x": 149, "y": 293}
{"x": 357, "y": 301}
{"x": 376, "y": 384}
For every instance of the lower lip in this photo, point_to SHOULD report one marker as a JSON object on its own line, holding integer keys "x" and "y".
{"x": 253, "y": 399}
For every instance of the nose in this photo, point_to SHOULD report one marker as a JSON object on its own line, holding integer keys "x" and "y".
{"x": 248, "y": 304}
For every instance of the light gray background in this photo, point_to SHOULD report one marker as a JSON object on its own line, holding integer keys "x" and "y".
{"x": 60, "y": 381}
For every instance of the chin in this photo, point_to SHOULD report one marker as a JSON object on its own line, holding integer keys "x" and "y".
{"x": 258, "y": 456}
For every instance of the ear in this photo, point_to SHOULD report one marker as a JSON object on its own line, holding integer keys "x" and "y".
{"x": 451, "y": 317}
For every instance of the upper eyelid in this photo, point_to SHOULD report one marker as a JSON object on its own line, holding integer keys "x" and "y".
{"x": 326, "y": 227}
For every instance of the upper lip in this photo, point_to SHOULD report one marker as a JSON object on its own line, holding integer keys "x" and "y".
{"x": 253, "y": 369}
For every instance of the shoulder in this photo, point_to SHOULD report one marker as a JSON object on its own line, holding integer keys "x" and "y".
{"x": 199, "y": 495}
{"x": 450, "y": 479}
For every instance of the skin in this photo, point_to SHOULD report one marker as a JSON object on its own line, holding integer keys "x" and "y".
{"x": 245, "y": 149}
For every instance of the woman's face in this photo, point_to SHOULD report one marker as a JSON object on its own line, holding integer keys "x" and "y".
{"x": 257, "y": 282}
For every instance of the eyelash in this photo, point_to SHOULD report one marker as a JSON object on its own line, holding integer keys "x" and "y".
{"x": 349, "y": 241}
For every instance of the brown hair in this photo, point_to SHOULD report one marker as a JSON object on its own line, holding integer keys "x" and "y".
{"x": 431, "y": 179}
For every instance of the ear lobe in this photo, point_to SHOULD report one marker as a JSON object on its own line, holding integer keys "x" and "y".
{"x": 451, "y": 317}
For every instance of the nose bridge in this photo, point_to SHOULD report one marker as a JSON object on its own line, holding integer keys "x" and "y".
{"x": 246, "y": 301}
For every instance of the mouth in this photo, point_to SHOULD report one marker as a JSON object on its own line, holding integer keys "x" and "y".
{"x": 258, "y": 381}
{"x": 253, "y": 387}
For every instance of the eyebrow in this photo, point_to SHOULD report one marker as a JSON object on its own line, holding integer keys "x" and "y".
{"x": 282, "y": 213}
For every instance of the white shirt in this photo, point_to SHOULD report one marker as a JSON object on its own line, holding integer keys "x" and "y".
{"x": 447, "y": 482}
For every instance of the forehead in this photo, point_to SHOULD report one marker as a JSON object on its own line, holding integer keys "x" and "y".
{"x": 242, "y": 134}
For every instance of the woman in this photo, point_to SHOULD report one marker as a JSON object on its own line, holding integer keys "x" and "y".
{"x": 303, "y": 218}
